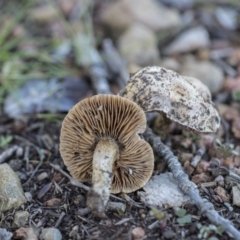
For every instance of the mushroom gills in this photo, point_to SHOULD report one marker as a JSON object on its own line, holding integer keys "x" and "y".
{"x": 105, "y": 154}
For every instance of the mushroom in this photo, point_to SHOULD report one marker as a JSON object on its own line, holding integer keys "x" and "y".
{"x": 159, "y": 89}
{"x": 100, "y": 143}
{"x": 200, "y": 87}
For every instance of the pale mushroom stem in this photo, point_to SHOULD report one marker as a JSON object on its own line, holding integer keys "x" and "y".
{"x": 161, "y": 125}
{"x": 105, "y": 154}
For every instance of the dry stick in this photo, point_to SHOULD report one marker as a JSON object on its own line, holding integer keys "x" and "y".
{"x": 93, "y": 63}
{"x": 97, "y": 73}
{"x": 59, "y": 219}
{"x": 7, "y": 153}
{"x": 196, "y": 159}
{"x": 74, "y": 182}
{"x": 115, "y": 62}
{"x": 205, "y": 207}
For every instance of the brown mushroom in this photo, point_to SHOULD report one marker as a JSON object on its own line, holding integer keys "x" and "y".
{"x": 159, "y": 89}
{"x": 99, "y": 142}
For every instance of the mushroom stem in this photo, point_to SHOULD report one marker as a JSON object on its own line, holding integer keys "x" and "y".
{"x": 161, "y": 125}
{"x": 105, "y": 154}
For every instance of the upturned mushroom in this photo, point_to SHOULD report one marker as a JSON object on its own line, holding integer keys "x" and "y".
{"x": 100, "y": 143}
{"x": 162, "y": 90}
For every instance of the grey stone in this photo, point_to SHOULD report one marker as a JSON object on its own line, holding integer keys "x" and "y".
{"x": 122, "y": 14}
{"x": 189, "y": 40}
{"x": 11, "y": 192}
{"x": 209, "y": 73}
{"x": 139, "y": 45}
{"x": 20, "y": 219}
{"x": 38, "y": 95}
{"x": 5, "y": 235}
{"x": 50, "y": 234}
{"x": 236, "y": 195}
{"x": 162, "y": 190}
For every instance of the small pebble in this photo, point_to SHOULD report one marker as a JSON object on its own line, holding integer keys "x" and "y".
{"x": 4, "y": 234}
{"x": 52, "y": 202}
{"x": 42, "y": 176}
{"x": 28, "y": 196}
{"x": 219, "y": 180}
{"x": 201, "y": 178}
{"x": 221, "y": 192}
{"x": 50, "y": 234}
{"x": 138, "y": 233}
{"x": 25, "y": 233}
{"x": 20, "y": 219}
{"x": 236, "y": 196}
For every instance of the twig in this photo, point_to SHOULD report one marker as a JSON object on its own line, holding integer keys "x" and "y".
{"x": 205, "y": 207}
{"x": 196, "y": 159}
{"x": 74, "y": 182}
{"x": 115, "y": 62}
{"x": 7, "y": 153}
{"x": 26, "y": 156}
{"x": 226, "y": 68}
{"x": 34, "y": 172}
{"x": 97, "y": 73}
{"x": 116, "y": 206}
{"x": 59, "y": 219}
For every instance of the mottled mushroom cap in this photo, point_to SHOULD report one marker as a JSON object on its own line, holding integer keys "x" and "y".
{"x": 107, "y": 116}
{"x": 200, "y": 87}
{"x": 159, "y": 89}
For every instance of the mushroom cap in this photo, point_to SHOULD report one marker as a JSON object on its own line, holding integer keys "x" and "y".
{"x": 159, "y": 89}
{"x": 200, "y": 87}
{"x": 107, "y": 116}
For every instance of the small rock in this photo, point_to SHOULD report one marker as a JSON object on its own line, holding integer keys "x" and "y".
{"x": 28, "y": 196}
{"x": 139, "y": 45}
{"x": 202, "y": 166}
{"x": 210, "y": 74}
{"x": 42, "y": 176}
{"x": 163, "y": 190}
{"x": 231, "y": 113}
{"x": 201, "y": 178}
{"x": 137, "y": 233}
{"x": 236, "y": 196}
{"x": 203, "y": 54}
{"x": 219, "y": 180}
{"x": 67, "y": 6}
{"x": 227, "y": 17}
{"x": 122, "y": 14}
{"x": 170, "y": 63}
{"x": 189, "y": 40}
{"x": 5, "y": 235}
{"x": 25, "y": 233}
{"x": 234, "y": 58}
{"x": 50, "y": 234}
{"x": 40, "y": 95}
{"x": 43, "y": 14}
{"x": 20, "y": 219}
{"x": 222, "y": 109}
{"x": 15, "y": 164}
{"x": 75, "y": 233}
{"x": 236, "y": 127}
{"x": 57, "y": 177}
{"x": 11, "y": 192}
{"x": 184, "y": 156}
{"x": 188, "y": 168}
{"x": 52, "y": 202}
{"x": 221, "y": 192}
